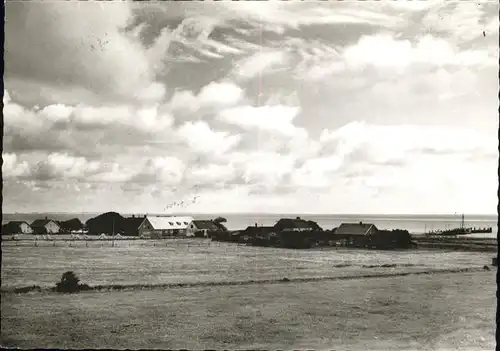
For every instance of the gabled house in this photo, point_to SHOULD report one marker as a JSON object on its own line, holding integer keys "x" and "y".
{"x": 295, "y": 225}
{"x": 202, "y": 227}
{"x": 168, "y": 226}
{"x": 45, "y": 226}
{"x": 357, "y": 234}
{"x": 16, "y": 227}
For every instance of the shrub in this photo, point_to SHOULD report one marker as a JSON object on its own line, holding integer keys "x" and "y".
{"x": 70, "y": 283}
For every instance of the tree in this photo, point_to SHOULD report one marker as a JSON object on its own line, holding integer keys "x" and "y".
{"x": 218, "y": 222}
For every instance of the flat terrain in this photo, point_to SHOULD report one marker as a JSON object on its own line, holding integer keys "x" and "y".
{"x": 431, "y": 312}
{"x": 195, "y": 261}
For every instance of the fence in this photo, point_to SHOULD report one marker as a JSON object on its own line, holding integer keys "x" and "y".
{"x": 108, "y": 242}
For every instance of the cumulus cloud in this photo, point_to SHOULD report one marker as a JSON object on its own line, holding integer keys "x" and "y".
{"x": 275, "y": 118}
{"x": 383, "y": 50}
{"x": 215, "y": 95}
{"x": 201, "y": 138}
{"x": 73, "y": 47}
{"x": 160, "y": 170}
{"x": 153, "y": 102}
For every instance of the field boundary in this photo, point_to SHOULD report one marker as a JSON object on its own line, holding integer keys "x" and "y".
{"x": 122, "y": 287}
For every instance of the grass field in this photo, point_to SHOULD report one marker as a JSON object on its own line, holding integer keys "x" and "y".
{"x": 434, "y": 312}
{"x": 191, "y": 261}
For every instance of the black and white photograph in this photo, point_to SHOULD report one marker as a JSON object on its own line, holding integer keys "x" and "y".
{"x": 272, "y": 175}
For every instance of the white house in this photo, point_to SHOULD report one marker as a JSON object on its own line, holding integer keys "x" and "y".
{"x": 203, "y": 226}
{"x": 45, "y": 226}
{"x": 168, "y": 226}
{"x": 16, "y": 227}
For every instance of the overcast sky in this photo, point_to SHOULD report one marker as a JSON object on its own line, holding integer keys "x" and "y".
{"x": 285, "y": 107}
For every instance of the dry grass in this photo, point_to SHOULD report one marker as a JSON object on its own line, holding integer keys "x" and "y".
{"x": 435, "y": 312}
{"x": 193, "y": 261}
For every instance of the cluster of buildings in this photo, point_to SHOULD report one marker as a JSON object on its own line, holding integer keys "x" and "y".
{"x": 287, "y": 232}
{"x": 152, "y": 226}
{"x": 43, "y": 226}
{"x": 299, "y": 233}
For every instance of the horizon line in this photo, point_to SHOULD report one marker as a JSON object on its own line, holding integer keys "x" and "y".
{"x": 265, "y": 213}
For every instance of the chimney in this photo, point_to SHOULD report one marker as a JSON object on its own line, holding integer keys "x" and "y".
{"x": 298, "y": 217}
{"x": 256, "y": 225}
{"x": 133, "y": 216}
{"x": 360, "y": 223}
{"x": 45, "y": 217}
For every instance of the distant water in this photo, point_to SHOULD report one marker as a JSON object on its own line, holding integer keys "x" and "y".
{"x": 413, "y": 223}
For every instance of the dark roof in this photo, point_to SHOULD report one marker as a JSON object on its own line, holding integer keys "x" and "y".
{"x": 12, "y": 226}
{"x": 132, "y": 223}
{"x": 38, "y": 223}
{"x": 354, "y": 228}
{"x": 252, "y": 230}
{"x": 294, "y": 223}
{"x": 205, "y": 224}
{"x": 73, "y": 223}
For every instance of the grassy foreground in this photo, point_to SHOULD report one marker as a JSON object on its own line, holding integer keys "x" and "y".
{"x": 429, "y": 312}
{"x": 198, "y": 261}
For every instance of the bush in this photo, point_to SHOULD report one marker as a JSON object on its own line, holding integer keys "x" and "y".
{"x": 70, "y": 283}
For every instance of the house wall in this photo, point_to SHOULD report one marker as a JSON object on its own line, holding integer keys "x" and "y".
{"x": 163, "y": 232}
{"x": 26, "y": 229}
{"x": 52, "y": 227}
{"x": 144, "y": 228}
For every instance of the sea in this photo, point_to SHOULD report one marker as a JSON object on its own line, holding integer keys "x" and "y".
{"x": 415, "y": 224}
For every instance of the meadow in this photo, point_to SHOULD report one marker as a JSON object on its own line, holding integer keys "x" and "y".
{"x": 431, "y": 312}
{"x": 199, "y": 260}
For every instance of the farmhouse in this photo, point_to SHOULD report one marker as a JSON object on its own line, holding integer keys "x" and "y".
{"x": 295, "y": 225}
{"x": 356, "y": 234}
{"x": 203, "y": 227}
{"x": 168, "y": 226}
{"x": 17, "y": 227}
{"x": 45, "y": 226}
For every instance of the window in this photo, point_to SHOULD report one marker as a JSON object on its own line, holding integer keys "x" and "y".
{"x": 171, "y": 223}
{"x": 185, "y": 223}
{"x": 178, "y": 223}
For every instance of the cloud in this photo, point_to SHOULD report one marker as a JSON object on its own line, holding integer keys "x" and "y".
{"x": 77, "y": 47}
{"x": 384, "y": 51}
{"x": 361, "y": 107}
{"x": 166, "y": 170}
{"x": 12, "y": 167}
{"x": 70, "y": 128}
{"x": 215, "y": 95}
{"x": 260, "y": 62}
{"x": 220, "y": 94}
{"x": 275, "y": 118}
{"x": 200, "y": 138}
